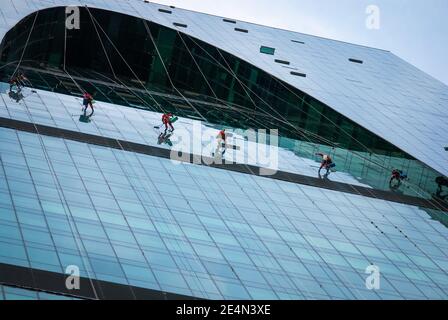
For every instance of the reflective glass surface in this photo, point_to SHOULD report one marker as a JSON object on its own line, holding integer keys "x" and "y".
{"x": 109, "y": 120}
{"x": 137, "y": 125}
{"x": 369, "y": 95}
{"x": 151, "y": 222}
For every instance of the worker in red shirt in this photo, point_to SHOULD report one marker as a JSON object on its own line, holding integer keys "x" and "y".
{"x": 166, "y": 119}
{"x": 398, "y": 176}
{"x": 18, "y": 81}
{"x": 87, "y": 102}
{"x": 221, "y": 139}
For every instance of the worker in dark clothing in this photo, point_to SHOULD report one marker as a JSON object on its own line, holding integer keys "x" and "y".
{"x": 398, "y": 176}
{"x": 87, "y": 102}
{"x": 18, "y": 81}
{"x": 326, "y": 162}
{"x": 441, "y": 181}
{"x": 166, "y": 119}
{"x": 12, "y": 83}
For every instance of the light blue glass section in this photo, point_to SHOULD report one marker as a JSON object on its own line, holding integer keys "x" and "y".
{"x": 229, "y": 242}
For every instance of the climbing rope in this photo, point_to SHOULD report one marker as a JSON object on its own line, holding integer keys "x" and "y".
{"x": 414, "y": 188}
{"x": 26, "y": 44}
{"x": 95, "y": 24}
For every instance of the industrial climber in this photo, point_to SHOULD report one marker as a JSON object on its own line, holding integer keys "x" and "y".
{"x": 221, "y": 142}
{"x": 18, "y": 81}
{"x": 398, "y": 176}
{"x": 441, "y": 181}
{"x": 326, "y": 162}
{"x": 167, "y": 120}
{"x": 87, "y": 102}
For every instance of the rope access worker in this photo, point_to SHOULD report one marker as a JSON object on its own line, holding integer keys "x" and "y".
{"x": 326, "y": 163}
{"x": 166, "y": 119}
{"x": 441, "y": 181}
{"x": 87, "y": 102}
{"x": 397, "y": 175}
{"x": 221, "y": 140}
{"x": 18, "y": 81}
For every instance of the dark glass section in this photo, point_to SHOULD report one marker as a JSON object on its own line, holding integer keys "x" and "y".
{"x": 356, "y": 61}
{"x": 241, "y": 30}
{"x": 282, "y": 61}
{"x": 267, "y": 50}
{"x": 165, "y": 11}
{"x": 299, "y": 74}
{"x": 180, "y": 25}
{"x": 229, "y": 21}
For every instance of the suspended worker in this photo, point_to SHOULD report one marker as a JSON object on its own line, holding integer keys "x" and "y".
{"x": 326, "y": 163}
{"x": 18, "y": 81}
{"x": 221, "y": 139}
{"x": 441, "y": 181}
{"x": 397, "y": 175}
{"x": 166, "y": 119}
{"x": 87, "y": 102}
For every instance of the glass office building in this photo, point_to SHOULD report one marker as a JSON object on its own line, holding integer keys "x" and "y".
{"x": 105, "y": 195}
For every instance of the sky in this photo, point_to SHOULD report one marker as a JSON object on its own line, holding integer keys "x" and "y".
{"x": 414, "y": 30}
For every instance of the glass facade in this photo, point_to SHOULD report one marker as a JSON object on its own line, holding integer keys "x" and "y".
{"x": 236, "y": 93}
{"x": 150, "y": 222}
{"x": 135, "y": 125}
{"x": 62, "y": 111}
{"x": 258, "y": 95}
{"x": 141, "y": 220}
